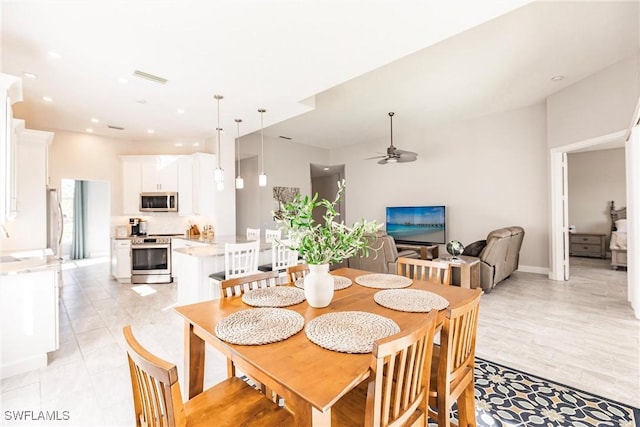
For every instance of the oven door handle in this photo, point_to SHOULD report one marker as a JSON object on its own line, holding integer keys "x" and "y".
{"x": 151, "y": 246}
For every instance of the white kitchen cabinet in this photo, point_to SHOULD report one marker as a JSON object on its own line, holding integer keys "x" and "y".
{"x": 178, "y": 243}
{"x": 27, "y": 228}
{"x": 185, "y": 186}
{"x": 121, "y": 260}
{"x": 11, "y": 90}
{"x": 28, "y": 320}
{"x": 160, "y": 173}
{"x": 204, "y": 188}
{"x": 131, "y": 185}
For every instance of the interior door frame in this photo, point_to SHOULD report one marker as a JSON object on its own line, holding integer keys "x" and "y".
{"x": 559, "y": 261}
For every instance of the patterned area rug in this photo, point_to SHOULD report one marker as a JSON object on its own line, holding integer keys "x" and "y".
{"x": 508, "y": 397}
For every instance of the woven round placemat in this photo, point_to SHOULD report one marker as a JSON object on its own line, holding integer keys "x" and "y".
{"x": 339, "y": 282}
{"x": 349, "y": 331}
{"x": 277, "y": 296}
{"x": 259, "y": 326}
{"x": 383, "y": 281}
{"x": 413, "y": 300}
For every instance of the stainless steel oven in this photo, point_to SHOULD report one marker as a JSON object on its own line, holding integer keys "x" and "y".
{"x": 151, "y": 260}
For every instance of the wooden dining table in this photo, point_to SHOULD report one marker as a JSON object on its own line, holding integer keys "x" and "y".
{"x": 310, "y": 378}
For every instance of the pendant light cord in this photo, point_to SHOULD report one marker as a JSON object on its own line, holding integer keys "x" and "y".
{"x": 262, "y": 111}
{"x": 238, "y": 145}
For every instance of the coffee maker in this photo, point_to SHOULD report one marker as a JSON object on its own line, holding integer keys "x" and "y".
{"x": 134, "y": 223}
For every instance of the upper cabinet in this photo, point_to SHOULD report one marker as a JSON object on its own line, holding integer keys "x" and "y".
{"x": 191, "y": 176}
{"x": 11, "y": 92}
{"x": 160, "y": 173}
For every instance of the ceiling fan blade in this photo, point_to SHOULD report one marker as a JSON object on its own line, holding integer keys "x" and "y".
{"x": 376, "y": 157}
{"x": 383, "y": 161}
{"x": 407, "y": 159}
{"x": 404, "y": 152}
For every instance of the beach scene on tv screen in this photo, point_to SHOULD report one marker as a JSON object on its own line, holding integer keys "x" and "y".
{"x": 417, "y": 223}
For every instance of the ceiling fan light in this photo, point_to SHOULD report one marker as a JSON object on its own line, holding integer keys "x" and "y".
{"x": 392, "y": 160}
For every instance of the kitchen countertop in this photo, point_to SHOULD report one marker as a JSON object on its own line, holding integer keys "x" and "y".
{"x": 216, "y": 246}
{"x": 27, "y": 261}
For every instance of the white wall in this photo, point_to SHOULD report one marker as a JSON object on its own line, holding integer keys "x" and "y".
{"x": 286, "y": 165}
{"x": 98, "y": 219}
{"x": 595, "y": 178}
{"x": 600, "y": 104}
{"x": 489, "y": 172}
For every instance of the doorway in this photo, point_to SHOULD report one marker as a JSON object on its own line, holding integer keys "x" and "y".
{"x": 324, "y": 181}
{"x": 96, "y": 235}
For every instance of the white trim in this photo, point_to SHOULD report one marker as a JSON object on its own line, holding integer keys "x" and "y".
{"x": 533, "y": 269}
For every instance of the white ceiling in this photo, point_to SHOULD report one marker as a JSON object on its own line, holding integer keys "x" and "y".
{"x": 309, "y": 63}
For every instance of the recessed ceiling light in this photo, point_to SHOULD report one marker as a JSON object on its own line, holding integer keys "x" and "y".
{"x": 30, "y": 75}
{"x": 195, "y": 144}
{"x": 123, "y": 80}
{"x": 180, "y": 111}
{"x": 326, "y": 169}
{"x": 150, "y": 131}
{"x": 178, "y": 144}
{"x": 54, "y": 54}
{"x": 89, "y": 130}
{"x": 94, "y": 120}
{"x": 47, "y": 99}
{"x": 557, "y": 78}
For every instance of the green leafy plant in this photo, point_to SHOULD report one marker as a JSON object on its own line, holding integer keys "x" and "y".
{"x": 327, "y": 242}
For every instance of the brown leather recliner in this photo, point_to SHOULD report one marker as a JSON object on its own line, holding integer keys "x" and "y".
{"x": 383, "y": 258}
{"x": 500, "y": 256}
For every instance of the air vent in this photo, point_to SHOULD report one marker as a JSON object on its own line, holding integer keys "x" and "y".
{"x": 115, "y": 127}
{"x": 286, "y": 137}
{"x": 150, "y": 77}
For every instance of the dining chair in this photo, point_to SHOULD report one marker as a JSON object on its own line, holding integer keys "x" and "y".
{"x": 399, "y": 381}
{"x": 157, "y": 400}
{"x": 282, "y": 256}
{"x": 452, "y": 367}
{"x": 427, "y": 270}
{"x": 240, "y": 259}
{"x": 239, "y": 285}
{"x": 253, "y": 233}
{"x": 295, "y": 272}
{"x": 271, "y": 235}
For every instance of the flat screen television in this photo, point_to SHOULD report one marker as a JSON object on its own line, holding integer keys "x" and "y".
{"x": 417, "y": 225}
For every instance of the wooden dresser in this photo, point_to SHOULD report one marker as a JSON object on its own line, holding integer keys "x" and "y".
{"x": 587, "y": 244}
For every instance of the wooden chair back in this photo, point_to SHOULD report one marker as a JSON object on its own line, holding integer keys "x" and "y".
{"x": 241, "y": 259}
{"x": 455, "y": 363}
{"x": 400, "y": 367}
{"x": 253, "y": 233}
{"x": 427, "y": 270}
{"x": 270, "y": 236}
{"x": 294, "y": 272}
{"x": 239, "y": 285}
{"x": 156, "y": 392}
{"x": 282, "y": 256}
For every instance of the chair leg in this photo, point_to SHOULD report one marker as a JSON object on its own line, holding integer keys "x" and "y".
{"x": 466, "y": 407}
{"x": 444, "y": 419}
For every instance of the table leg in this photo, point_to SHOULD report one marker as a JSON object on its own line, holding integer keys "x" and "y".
{"x": 193, "y": 362}
{"x": 465, "y": 276}
{"x": 308, "y": 416}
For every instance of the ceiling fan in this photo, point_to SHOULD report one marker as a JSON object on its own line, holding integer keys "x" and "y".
{"x": 393, "y": 154}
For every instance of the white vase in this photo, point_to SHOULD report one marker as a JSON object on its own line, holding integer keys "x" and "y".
{"x": 318, "y": 286}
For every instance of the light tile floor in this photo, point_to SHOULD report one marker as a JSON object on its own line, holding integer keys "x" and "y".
{"x": 581, "y": 333}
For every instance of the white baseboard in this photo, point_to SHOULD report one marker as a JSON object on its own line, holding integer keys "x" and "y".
{"x": 533, "y": 269}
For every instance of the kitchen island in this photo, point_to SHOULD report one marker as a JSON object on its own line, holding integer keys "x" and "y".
{"x": 29, "y": 290}
{"x": 195, "y": 259}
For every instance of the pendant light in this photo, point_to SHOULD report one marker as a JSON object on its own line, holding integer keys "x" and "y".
{"x": 262, "y": 178}
{"x": 218, "y": 174}
{"x": 239, "y": 180}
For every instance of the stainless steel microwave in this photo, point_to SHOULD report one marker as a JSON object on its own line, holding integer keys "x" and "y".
{"x": 159, "y": 202}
